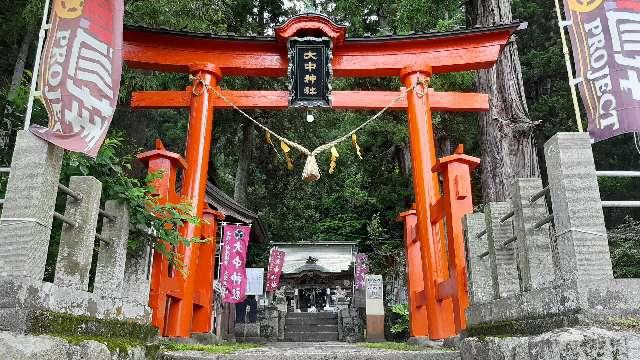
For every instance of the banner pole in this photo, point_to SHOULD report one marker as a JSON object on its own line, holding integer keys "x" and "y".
{"x": 36, "y": 66}
{"x": 567, "y": 60}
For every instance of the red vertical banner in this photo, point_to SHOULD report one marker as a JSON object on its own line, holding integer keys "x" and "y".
{"x": 362, "y": 268}
{"x": 233, "y": 273}
{"x": 80, "y": 73}
{"x": 276, "y": 260}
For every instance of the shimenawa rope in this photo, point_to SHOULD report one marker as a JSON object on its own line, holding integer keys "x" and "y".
{"x": 311, "y": 171}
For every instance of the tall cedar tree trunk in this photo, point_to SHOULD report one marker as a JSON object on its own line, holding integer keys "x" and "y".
{"x": 506, "y": 132}
{"x": 244, "y": 159}
{"x": 16, "y": 79}
{"x": 245, "y": 153}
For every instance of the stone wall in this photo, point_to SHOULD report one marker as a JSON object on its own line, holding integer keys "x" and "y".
{"x": 43, "y": 347}
{"x": 25, "y": 230}
{"x": 351, "y": 325}
{"x": 539, "y": 270}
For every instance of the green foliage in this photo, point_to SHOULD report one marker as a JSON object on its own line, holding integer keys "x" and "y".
{"x": 401, "y": 324}
{"x": 147, "y": 214}
{"x": 225, "y": 348}
{"x": 397, "y": 346}
{"x": 624, "y": 244}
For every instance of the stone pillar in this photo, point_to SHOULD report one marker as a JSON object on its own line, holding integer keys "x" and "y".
{"x": 112, "y": 256}
{"x": 478, "y": 269}
{"x": 535, "y": 257}
{"x": 76, "y": 243}
{"x": 375, "y": 308}
{"x": 581, "y": 237}
{"x": 27, "y": 213}
{"x": 502, "y": 260}
{"x": 136, "y": 276}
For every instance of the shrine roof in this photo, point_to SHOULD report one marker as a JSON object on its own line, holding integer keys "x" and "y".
{"x": 217, "y": 199}
{"x": 513, "y": 26}
{"x": 329, "y": 256}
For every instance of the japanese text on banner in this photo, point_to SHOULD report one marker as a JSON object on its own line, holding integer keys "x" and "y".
{"x": 362, "y": 269}
{"x": 233, "y": 273}
{"x": 80, "y": 73}
{"x": 606, "y": 50}
{"x": 276, "y": 261}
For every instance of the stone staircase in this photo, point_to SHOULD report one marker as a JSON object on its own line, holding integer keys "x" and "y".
{"x": 311, "y": 327}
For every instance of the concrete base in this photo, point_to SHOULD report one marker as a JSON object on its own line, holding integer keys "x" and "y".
{"x": 248, "y": 333}
{"x": 424, "y": 341}
{"x": 375, "y": 328}
{"x": 562, "y": 344}
{"x": 19, "y": 299}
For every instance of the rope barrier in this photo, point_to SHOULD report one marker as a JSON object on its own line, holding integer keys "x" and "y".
{"x": 311, "y": 171}
{"x": 108, "y": 215}
{"x": 18, "y": 221}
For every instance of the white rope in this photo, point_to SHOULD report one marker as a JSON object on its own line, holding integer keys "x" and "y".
{"x": 588, "y": 232}
{"x": 311, "y": 170}
{"x": 18, "y": 221}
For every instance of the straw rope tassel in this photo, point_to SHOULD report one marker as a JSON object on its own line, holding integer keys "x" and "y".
{"x": 354, "y": 142}
{"x": 334, "y": 159}
{"x": 286, "y": 150}
{"x": 311, "y": 171}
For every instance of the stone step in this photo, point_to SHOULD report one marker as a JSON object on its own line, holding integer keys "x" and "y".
{"x": 310, "y": 322}
{"x": 294, "y": 328}
{"x": 311, "y": 336}
{"x": 315, "y": 351}
{"x": 319, "y": 315}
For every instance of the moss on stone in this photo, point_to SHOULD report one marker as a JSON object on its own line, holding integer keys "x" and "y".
{"x": 224, "y": 348}
{"x": 47, "y": 322}
{"x": 627, "y": 323}
{"x": 531, "y": 326}
{"x": 121, "y": 345}
{"x": 398, "y": 346}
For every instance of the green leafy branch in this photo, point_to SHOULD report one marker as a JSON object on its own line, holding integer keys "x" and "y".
{"x": 151, "y": 220}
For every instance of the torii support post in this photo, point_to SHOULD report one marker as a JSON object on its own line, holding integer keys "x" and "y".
{"x": 418, "y": 323}
{"x": 453, "y": 206}
{"x": 203, "y": 303}
{"x": 180, "y": 317}
{"x": 427, "y": 193}
{"x": 166, "y": 164}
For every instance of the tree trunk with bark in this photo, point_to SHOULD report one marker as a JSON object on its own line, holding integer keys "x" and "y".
{"x": 18, "y": 72}
{"x": 506, "y": 132}
{"x": 18, "y": 69}
{"x": 244, "y": 159}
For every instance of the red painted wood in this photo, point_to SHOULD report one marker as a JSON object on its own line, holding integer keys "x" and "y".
{"x": 456, "y": 173}
{"x": 418, "y": 318}
{"x": 342, "y": 100}
{"x": 323, "y": 26}
{"x": 355, "y": 58}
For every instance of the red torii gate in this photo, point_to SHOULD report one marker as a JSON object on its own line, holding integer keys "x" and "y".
{"x": 413, "y": 58}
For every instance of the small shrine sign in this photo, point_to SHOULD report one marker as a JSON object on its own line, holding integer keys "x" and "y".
{"x": 310, "y": 72}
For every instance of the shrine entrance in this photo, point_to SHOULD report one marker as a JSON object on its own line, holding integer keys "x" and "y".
{"x": 310, "y": 50}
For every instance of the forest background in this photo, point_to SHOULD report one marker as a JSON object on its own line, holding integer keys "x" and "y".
{"x": 361, "y": 200}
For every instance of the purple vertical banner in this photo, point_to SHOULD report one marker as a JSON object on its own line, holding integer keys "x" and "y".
{"x": 606, "y": 52}
{"x": 362, "y": 268}
{"x": 276, "y": 260}
{"x": 233, "y": 273}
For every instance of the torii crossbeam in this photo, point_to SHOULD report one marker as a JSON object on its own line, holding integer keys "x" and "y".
{"x": 412, "y": 58}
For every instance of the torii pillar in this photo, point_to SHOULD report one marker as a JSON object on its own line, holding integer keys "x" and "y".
{"x": 193, "y": 189}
